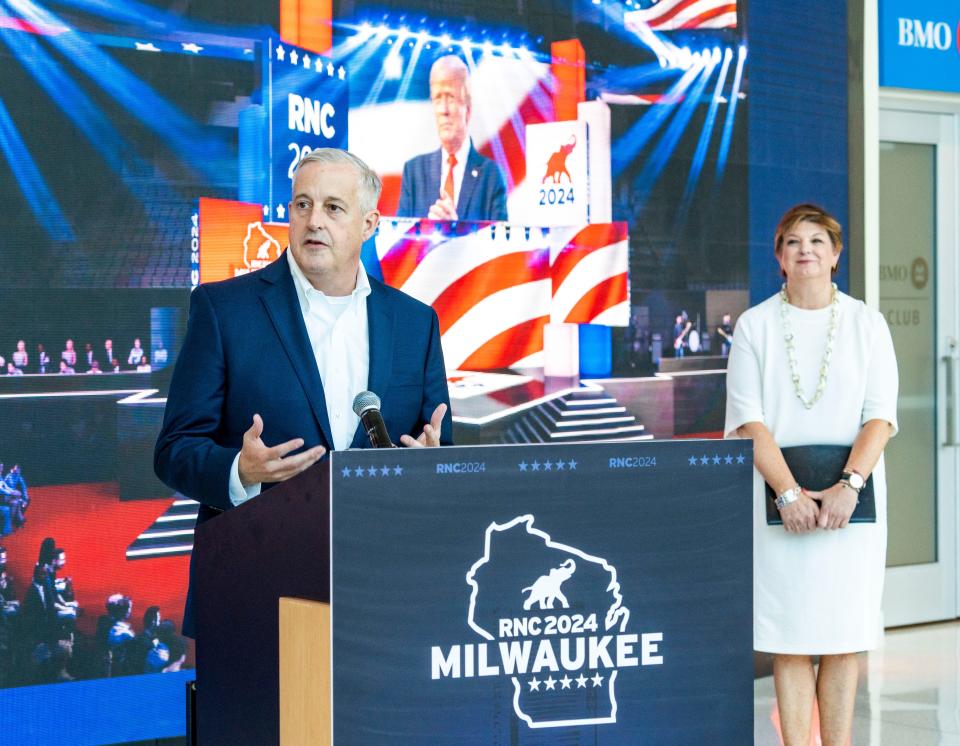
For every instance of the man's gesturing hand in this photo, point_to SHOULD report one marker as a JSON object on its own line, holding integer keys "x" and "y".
{"x": 258, "y": 463}
{"x": 431, "y": 431}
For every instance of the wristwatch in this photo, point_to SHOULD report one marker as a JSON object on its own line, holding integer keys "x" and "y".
{"x": 788, "y": 496}
{"x": 852, "y": 479}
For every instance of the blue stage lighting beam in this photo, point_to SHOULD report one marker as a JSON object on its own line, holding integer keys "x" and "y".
{"x": 731, "y": 115}
{"x": 668, "y": 142}
{"x": 700, "y": 155}
{"x": 39, "y": 198}
{"x": 75, "y": 104}
{"x": 207, "y": 154}
{"x": 633, "y": 140}
{"x": 410, "y": 69}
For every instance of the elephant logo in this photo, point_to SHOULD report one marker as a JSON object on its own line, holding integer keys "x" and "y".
{"x": 557, "y": 163}
{"x": 546, "y": 589}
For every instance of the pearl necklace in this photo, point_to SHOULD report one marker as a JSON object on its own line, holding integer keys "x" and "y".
{"x": 791, "y": 349}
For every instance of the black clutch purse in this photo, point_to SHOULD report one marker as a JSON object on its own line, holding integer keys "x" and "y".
{"x": 817, "y": 468}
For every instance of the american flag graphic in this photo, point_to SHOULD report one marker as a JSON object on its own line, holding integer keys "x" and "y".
{"x": 494, "y": 287}
{"x": 672, "y": 15}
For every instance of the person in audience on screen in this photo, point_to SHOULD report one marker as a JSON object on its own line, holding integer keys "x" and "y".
{"x": 681, "y": 328}
{"x": 21, "y": 358}
{"x": 136, "y": 353}
{"x": 813, "y": 366}
{"x": 725, "y": 332}
{"x": 95, "y": 368}
{"x": 454, "y": 182}
{"x": 160, "y": 355}
{"x": 14, "y": 492}
{"x": 69, "y": 355}
{"x": 38, "y": 616}
{"x": 114, "y": 365}
{"x": 43, "y": 359}
{"x": 13, "y": 370}
{"x": 6, "y": 515}
{"x": 108, "y": 350}
{"x": 229, "y": 430}
{"x": 114, "y": 635}
{"x": 66, "y": 370}
{"x": 64, "y": 600}
{"x": 88, "y": 358}
{"x": 144, "y": 365}
{"x": 3, "y": 364}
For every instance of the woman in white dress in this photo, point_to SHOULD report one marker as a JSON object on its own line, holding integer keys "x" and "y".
{"x": 813, "y": 366}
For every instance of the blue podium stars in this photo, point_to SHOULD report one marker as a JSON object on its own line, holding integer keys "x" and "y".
{"x": 558, "y": 465}
{"x": 717, "y": 459}
{"x": 367, "y": 472}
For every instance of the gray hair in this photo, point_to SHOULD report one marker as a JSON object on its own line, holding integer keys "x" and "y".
{"x": 455, "y": 68}
{"x": 369, "y": 185}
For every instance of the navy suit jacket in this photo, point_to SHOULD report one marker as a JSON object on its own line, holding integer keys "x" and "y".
{"x": 482, "y": 196}
{"x": 247, "y": 351}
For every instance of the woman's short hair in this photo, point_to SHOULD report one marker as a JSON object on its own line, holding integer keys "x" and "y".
{"x": 369, "y": 186}
{"x": 812, "y": 214}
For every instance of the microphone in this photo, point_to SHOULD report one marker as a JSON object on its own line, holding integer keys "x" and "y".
{"x": 366, "y": 405}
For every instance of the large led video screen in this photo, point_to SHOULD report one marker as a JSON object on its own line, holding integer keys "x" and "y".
{"x": 600, "y": 185}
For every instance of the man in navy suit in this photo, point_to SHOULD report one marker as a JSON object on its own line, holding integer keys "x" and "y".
{"x": 454, "y": 182}
{"x": 271, "y": 361}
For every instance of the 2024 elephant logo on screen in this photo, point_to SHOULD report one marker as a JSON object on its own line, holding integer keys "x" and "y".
{"x": 550, "y": 617}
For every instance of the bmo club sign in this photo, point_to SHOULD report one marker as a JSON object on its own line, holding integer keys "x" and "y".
{"x": 920, "y": 44}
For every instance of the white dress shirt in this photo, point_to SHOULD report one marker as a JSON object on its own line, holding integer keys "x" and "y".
{"x": 339, "y": 336}
{"x": 458, "y": 171}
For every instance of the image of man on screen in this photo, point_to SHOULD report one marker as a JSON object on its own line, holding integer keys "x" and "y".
{"x": 454, "y": 182}
{"x": 272, "y": 360}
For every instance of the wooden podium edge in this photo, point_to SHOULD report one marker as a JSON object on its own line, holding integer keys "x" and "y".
{"x": 305, "y": 687}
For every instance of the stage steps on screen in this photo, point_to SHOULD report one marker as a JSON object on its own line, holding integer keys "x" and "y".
{"x": 582, "y": 415}
{"x": 170, "y": 535}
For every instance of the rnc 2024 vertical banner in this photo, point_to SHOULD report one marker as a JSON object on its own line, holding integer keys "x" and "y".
{"x": 593, "y": 593}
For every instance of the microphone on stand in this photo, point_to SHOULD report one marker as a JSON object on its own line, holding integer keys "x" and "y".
{"x": 366, "y": 405}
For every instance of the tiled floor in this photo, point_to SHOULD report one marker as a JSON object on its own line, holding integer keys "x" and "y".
{"x": 909, "y": 692}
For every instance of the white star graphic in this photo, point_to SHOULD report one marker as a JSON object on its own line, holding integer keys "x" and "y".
{"x": 572, "y": 464}
{"x": 341, "y": 73}
{"x": 359, "y": 472}
{"x": 581, "y": 682}
{"x": 148, "y": 46}
{"x": 385, "y": 471}
{"x": 536, "y": 465}
{"x": 294, "y": 56}
{"x": 318, "y": 65}
{"x": 561, "y": 465}
{"x": 281, "y": 211}
{"x": 740, "y": 459}
{"x": 191, "y": 47}
{"x": 266, "y": 211}
{"x": 693, "y": 461}
{"x": 548, "y": 466}
{"x": 551, "y": 683}
{"x": 330, "y": 69}
{"x": 372, "y": 471}
{"x": 397, "y": 471}
{"x": 346, "y": 471}
{"x": 565, "y": 682}
{"x": 280, "y": 52}
{"x": 306, "y": 61}
{"x": 522, "y": 465}
{"x": 597, "y": 680}
{"x": 728, "y": 459}
{"x": 534, "y": 684}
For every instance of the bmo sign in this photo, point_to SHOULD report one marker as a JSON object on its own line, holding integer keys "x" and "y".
{"x": 926, "y": 34}
{"x": 919, "y": 44}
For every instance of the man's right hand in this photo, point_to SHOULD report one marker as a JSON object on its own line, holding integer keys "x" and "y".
{"x": 801, "y": 515}
{"x": 259, "y": 463}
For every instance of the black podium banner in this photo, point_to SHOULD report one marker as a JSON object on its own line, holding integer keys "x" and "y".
{"x": 582, "y": 593}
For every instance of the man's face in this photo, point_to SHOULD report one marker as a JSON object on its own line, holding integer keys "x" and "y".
{"x": 108, "y": 344}
{"x": 327, "y": 224}
{"x": 450, "y": 108}
{"x": 61, "y": 560}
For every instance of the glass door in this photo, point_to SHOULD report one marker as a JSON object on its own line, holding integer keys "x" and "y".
{"x": 918, "y": 297}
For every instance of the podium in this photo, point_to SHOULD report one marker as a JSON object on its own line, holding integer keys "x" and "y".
{"x": 574, "y": 593}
